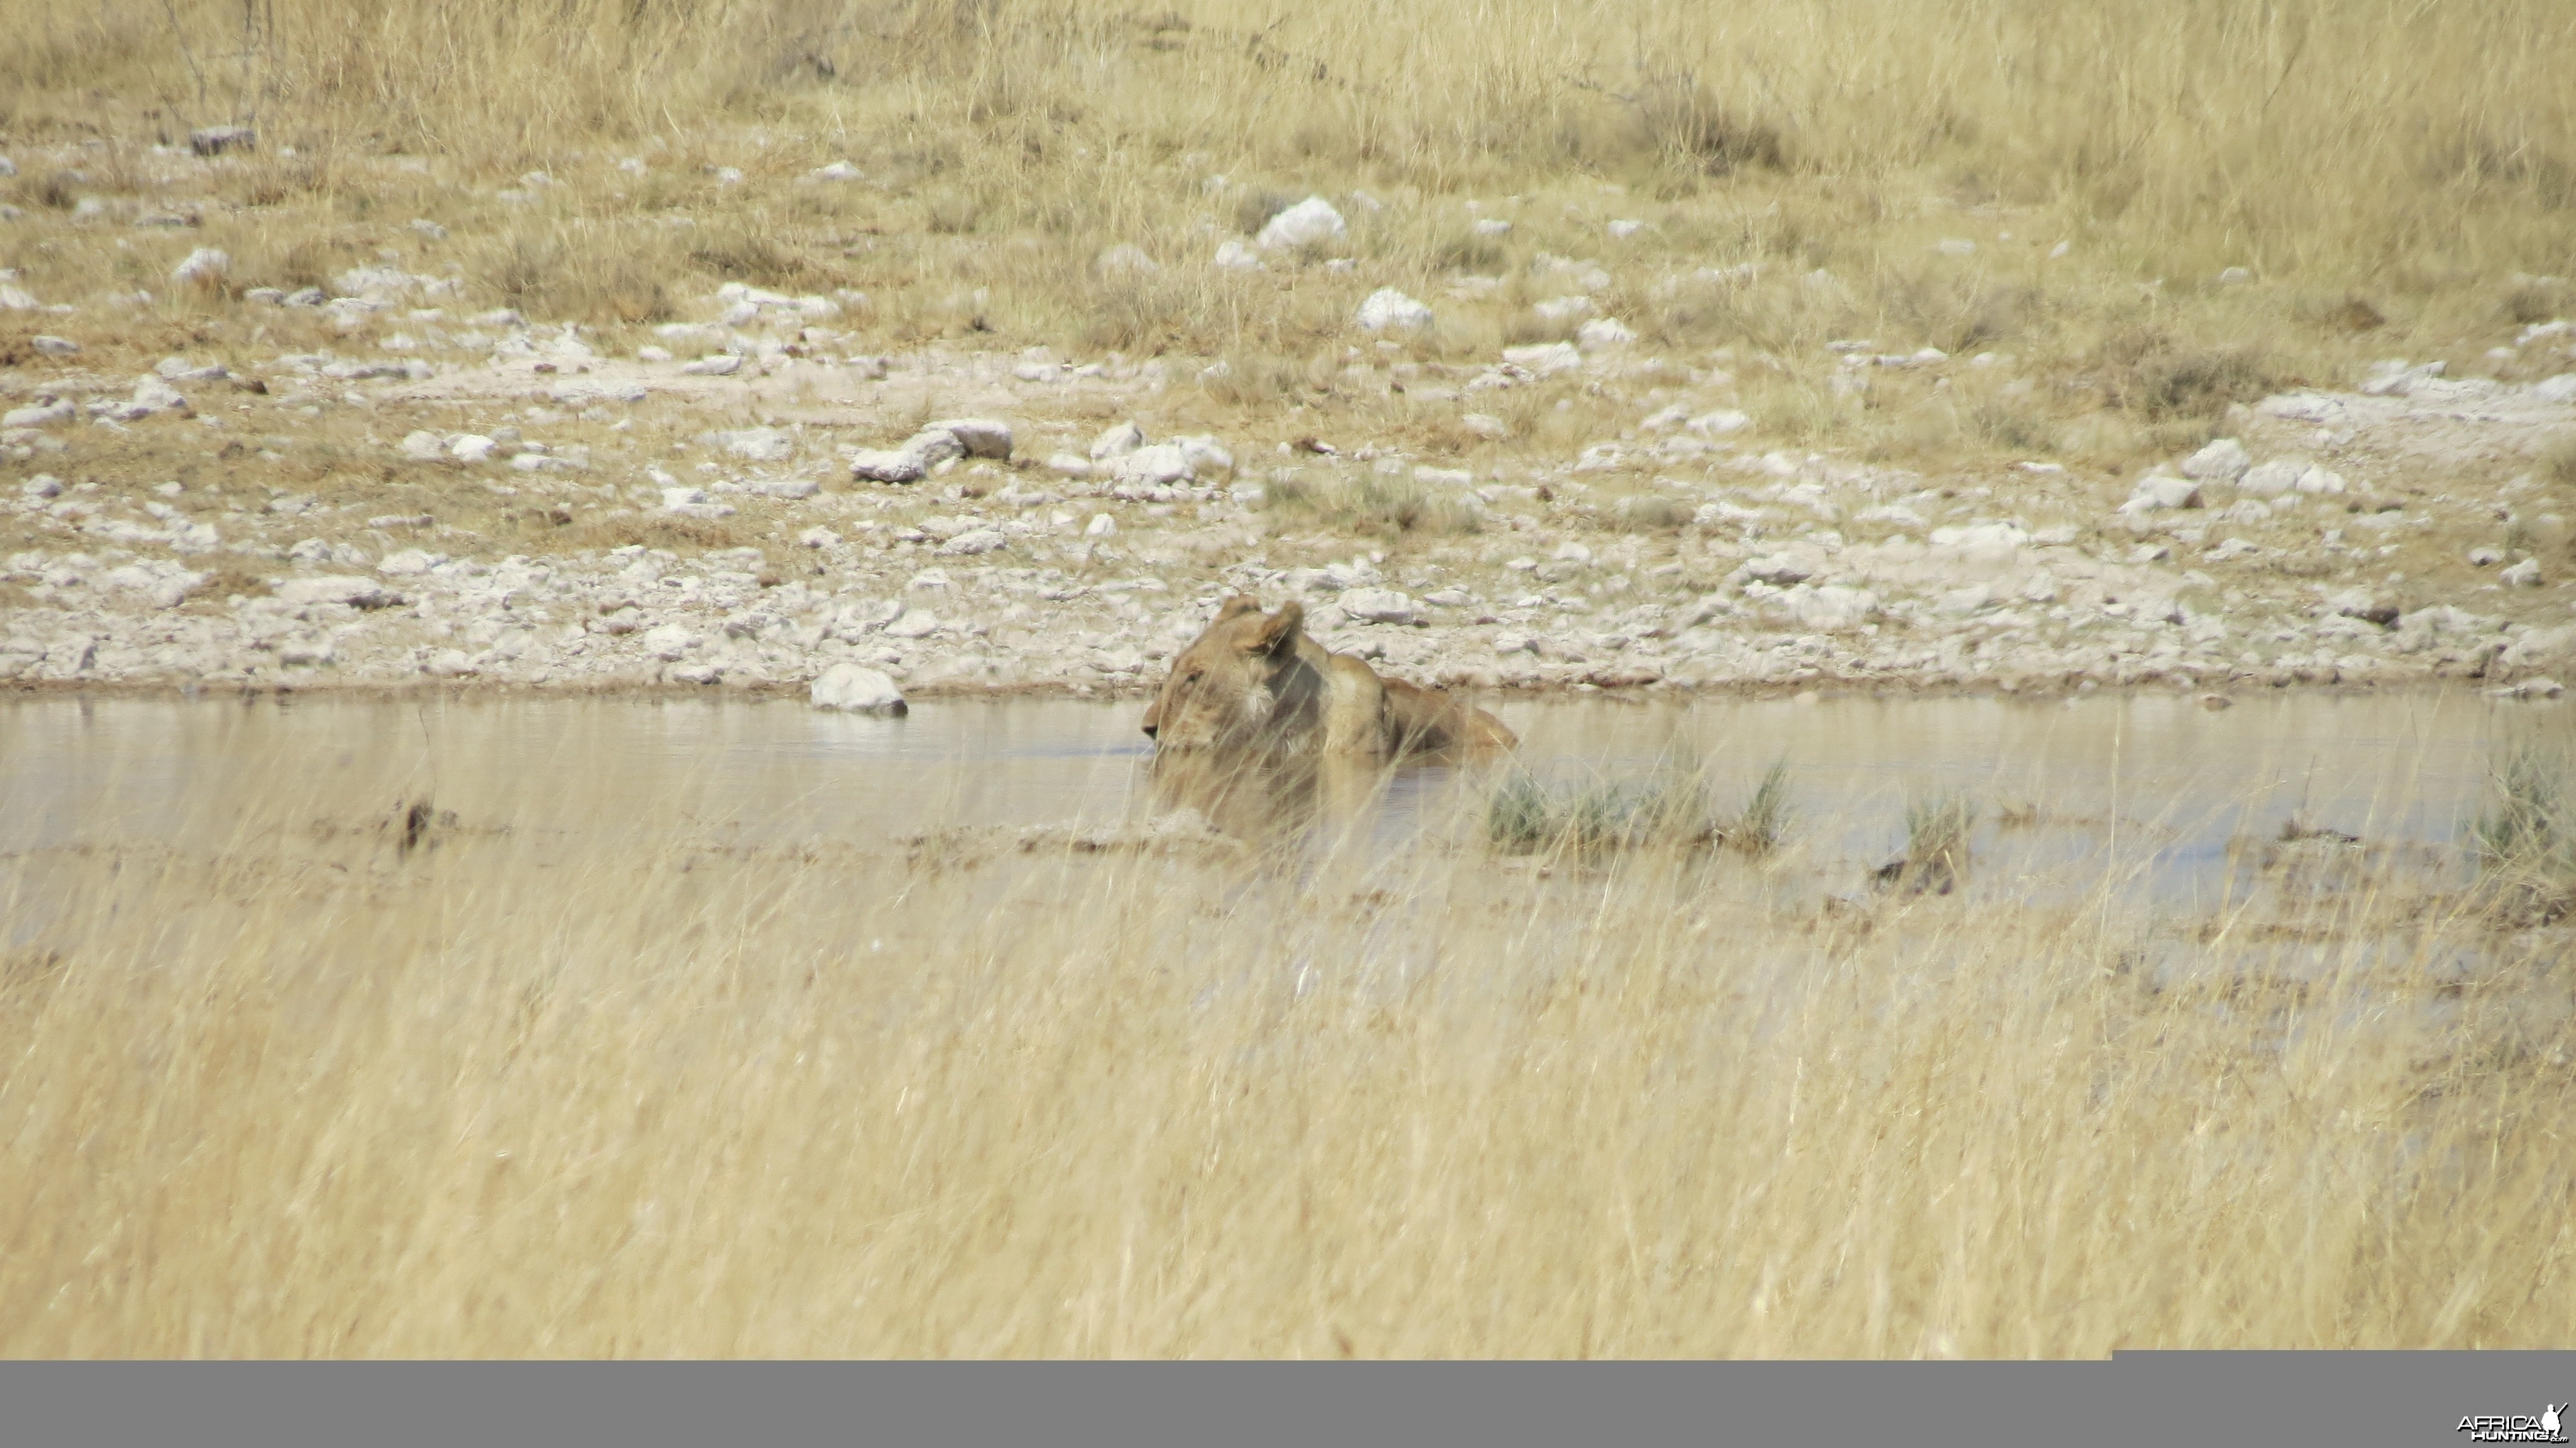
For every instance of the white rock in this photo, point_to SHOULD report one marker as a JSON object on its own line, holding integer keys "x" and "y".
{"x": 1624, "y": 228}
{"x": 16, "y": 299}
{"x": 916, "y": 623}
{"x": 1388, "y": 309}
{"x": 205, "y": 264}
{"x": 668, "y": 641}
{"x": 790, "y": 488}
{"x": 2320, "y": 480}
{"x": 2561, "y": 388}
{"x": 409, "y": 561}
{"x": 2223, "y": 461}
{"x": 817, "y": 536}
{"x": 1563, "y": 309}
{"x": 2234, "y": 276}
{"x": 1101, "y": 526}
{"x": 974, "y": 541}
{"x": 1233, "y": 255}
{"x": 471, "y": 447}
{"x": 1491, "y": 226}
{"x": 1161, "y": 465}
{"x": 1573, "y": 553}
{"x": 1545, "y": 359}
{"x": 1378, "y": 605}
{"x": 1117, "y": 442}
{"x": 758, "y": 444}
{"x": 2393, "y": 378}
{"x": 1486, "y": 425}
{"x": 1720, "y": 422}
{"x": 2270, "y": 480}
{"x": 353, "y": 591}
{"x": 423, "y": 447}
{"x": 1603, "y": 332}
{"x": 1069, "y": 465}
{"x": 714, "y": 365}
{"x": 836, "y": 171}
{"x": 43, "y": 414}
{"x": 1310, "y": 222}
{"x": 52, "y": 346}
{"x": 1832, "y": 606}
{"x": 1207, "y": 458}
{"x": 1956, "y": 246}
{"x": 893, "y": 465}
{"x": 1780, "y": 570}
{"x": 1125, "y": 259}
{"x": 856, "y": 689}
{"x": 2157, "y": 491}
{"x": 981, "y": 437}
{"x": 2525, "y": 574}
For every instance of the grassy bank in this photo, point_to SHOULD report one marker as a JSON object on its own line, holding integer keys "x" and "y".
{"x": 414, "y": 1086}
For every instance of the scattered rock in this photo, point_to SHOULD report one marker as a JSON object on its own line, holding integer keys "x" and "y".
{"x": 471, "y": 447}
{"x": 855, "y": 689}
{"x": 339, "y": 588}
{"x": 2525, "y": 574}
{"x": 1378, "y": 605}
{"x": 717, "y": 364}
{"x": 205, "y": 266}
{"x": 1390, "y": 310}
{"x": 2223, "y": 461}
{"x": 1311, "y": 222}
{"x": 1117, "y": 442}
{"x": 2157, "y": 491}
{"x": 1233, "y": 255}
{"x": 981, "y": 437}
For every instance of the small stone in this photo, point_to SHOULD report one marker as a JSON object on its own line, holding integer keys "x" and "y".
{"x": 1117, "y": 442}
{"x": 408, "y": 562}
{"x": 1720, "y": 422}
{"x": 1956, "y": 246}
{"x": 343, "y": 589}
{"x": 714, "y": 365}
{"x": 789, "y": 488}
{"x": 2223, "y": 461}
{"x": 2525, "y": 574}
{"x": 471, "y": 447}
{"x": 2160, "y": 492}
{"x": 856, "y": 689}
{"x": 1378, "y": 605}
{"x": 837, "y": 171}
{"x": 1602, "y": 332}
{"x": 758, "y": 444}
{"x": 817, "y": 536}
{"x": 1311, "y": 222}
{"x": 1388, "y": 309}
{"x": 1624, "y": 228}
{"x": 1233, "y": 255}
{"x": 51, "y": 346}
{"x": 2271, "y": 479}
{"x": 1069, "y": 465}
{"x": 1125, "y": 259}
{"x": 897, "y": 465}
{"x": 1101, "y": 526}
{"x": 204, "y": 266}
{"x": 981, "y": 437}
{"x": 1486, "y": 426}
{"x": 427, "y": 229}
{"x": 2320, "y": 480}
{"x": 421, "y": 447}
{"x": 916, "y": 623}
{"x": 669, "y": 641}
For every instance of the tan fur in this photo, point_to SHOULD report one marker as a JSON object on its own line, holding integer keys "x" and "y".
{"x": 1255, "y": 683}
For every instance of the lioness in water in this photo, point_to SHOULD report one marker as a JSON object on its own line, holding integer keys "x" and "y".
{"x": 1256, "y": 682}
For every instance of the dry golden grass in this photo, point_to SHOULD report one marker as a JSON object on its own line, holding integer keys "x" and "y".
{"x": 2396, "y": 177}
{"x": 533, "y": 1090}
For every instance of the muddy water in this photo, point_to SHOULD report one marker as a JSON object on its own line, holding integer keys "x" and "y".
{"x": 2154, "y": 791}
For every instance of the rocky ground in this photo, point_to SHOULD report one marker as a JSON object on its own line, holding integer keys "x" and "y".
{"x": 386, "y": 490}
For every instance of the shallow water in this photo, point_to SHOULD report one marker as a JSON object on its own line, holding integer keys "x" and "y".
{"x": 2146, "y": 792}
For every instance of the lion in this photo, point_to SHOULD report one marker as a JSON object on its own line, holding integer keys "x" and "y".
{"x": 1255, "y": 683}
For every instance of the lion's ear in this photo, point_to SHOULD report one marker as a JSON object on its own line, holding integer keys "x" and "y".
{"x": 1237, "y": 607}
{"x": 1278, "y": 633}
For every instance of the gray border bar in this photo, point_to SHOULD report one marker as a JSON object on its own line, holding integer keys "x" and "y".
{"x": 2140, "y": 1398}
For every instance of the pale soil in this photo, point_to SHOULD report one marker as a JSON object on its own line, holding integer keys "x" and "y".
{"x": 1641, "y": 554}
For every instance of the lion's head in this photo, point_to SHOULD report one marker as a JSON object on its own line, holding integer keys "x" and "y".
{"x": 1227, "y": 684}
